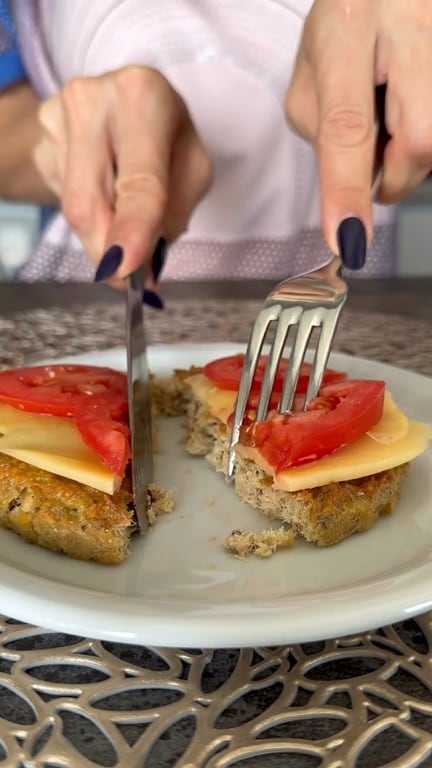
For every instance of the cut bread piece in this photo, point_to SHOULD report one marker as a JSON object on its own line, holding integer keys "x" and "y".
{"x": 56, "y": 492}
{"x": 66, "y": 516}
{"x": 324, "y": 514}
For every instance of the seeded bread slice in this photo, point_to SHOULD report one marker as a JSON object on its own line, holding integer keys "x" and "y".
{"x": 66, "y": 516}
{"x": 323, "y": 515}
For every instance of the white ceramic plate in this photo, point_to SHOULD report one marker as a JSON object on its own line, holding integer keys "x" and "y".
{"x": 180, "y": 588}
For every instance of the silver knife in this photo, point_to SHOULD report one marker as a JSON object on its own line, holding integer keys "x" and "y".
{"x": 138, "y": 381}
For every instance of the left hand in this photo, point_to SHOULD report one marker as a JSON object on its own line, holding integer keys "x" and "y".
{"x": 121, "y": 152}
{"x": 347, "y": 48}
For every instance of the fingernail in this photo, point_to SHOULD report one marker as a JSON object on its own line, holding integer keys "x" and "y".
{"x": 152, "y": 299}
{"x": 109, "y": 263}
{"x": 158, "y": 259}
{"x": 351, "y": 237}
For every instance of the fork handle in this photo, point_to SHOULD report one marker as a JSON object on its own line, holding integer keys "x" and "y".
{"x": 382, "y": 136}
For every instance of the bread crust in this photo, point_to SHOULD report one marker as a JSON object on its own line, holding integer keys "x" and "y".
{"x": 64, "y": 515}
{"x": 324, "y": 515}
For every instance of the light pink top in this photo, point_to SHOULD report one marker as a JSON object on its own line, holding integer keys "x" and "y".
{"x": 231, "y": 62}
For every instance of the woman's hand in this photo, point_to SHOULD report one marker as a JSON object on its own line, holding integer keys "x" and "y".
{"x": 348, "y": 47}
{"x": 123, "y": 156}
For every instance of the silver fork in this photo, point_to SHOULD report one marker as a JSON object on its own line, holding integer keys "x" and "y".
{"x": 313, "y": 300}
{"x": 306, "y": 302}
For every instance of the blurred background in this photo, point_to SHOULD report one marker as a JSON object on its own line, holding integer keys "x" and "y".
{"x": 20, "y": 225}
{"x": 19, "y": 229}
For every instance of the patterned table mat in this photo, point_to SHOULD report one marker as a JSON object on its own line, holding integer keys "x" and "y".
{"x": 68, "y": 702}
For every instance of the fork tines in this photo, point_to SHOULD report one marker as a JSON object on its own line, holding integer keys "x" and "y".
{"x": 312, "y": 301}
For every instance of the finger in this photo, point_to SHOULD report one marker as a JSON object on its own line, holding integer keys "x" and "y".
{"x": 50, "y": 152}
{"x": 301, "y": 108}
{"x": 144, "y": 131}
{"x": 87, "y": 191}
{"x": 52, "y": 118}
{"x": 190, "y": 178}
{"x": 345, "y": 131}
{"x": 401, "y": 173}
{"x": 408, "y": 157}
{"x": 46, "y": 160}
{"x": 408, "y": 179}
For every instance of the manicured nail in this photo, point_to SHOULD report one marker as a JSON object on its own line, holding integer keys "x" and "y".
{"x": 152, "y": 299}
{"x": 109, "y": 263}
{"x": 351, "y": 237}
{"x": 158, "y": 259}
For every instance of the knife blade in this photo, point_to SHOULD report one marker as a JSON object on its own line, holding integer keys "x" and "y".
{"x": 138, "y": 384}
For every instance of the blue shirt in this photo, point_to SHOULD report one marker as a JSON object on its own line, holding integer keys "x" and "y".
{"x": 11, "y": 66}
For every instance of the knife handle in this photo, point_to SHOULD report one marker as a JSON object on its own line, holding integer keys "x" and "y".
{"x": 382, "y": 136}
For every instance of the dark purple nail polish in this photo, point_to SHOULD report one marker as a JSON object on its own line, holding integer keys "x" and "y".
{"x": 351, "y": 237}
{"x": 152, "y": 299}
{"x": 109, "y": 263}
{"x": 158, "y": 259}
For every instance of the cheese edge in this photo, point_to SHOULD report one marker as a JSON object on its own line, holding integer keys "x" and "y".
{"x": 351, "y": 462}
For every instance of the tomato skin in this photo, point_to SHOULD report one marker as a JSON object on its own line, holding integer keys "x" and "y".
{"x": 54, "y": 389}
{"x": 342, "y": 413}
{"x": 93, "y": 396}
{"x": 225, "y": 373}
{"x": 102, "y": 423}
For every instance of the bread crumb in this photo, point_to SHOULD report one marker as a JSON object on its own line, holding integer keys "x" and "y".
{"x": 161, "y": 503}
{"x": 242, "y": 544}
{"x": 168, "y": 393}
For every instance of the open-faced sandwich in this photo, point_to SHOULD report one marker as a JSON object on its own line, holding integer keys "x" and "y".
{"x": 64, "y": 460}
{"x": 327, "y": 471}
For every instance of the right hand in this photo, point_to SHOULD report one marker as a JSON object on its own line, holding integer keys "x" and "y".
{"x": 125, "y": 160}
{"x": 348, "y": 47}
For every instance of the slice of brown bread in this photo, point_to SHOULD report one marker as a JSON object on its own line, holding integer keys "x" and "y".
{"x": 324, "y": 515}
{"x": 66, "y": 516}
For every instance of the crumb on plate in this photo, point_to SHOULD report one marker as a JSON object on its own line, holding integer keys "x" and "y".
{"x": 162, "y": 503}
{"x": 242, "y": 544}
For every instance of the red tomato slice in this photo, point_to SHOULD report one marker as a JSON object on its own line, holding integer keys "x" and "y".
{"x": 225, "y": 373}
{"x": 102, "y": 423}
{"x": 95, "y": 397}
{"x": 341, "y": 413}
{"x": 55, "y": 389}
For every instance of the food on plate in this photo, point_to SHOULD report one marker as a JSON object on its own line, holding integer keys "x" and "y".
{"x": 327, "y": 472}
{"x": 64, "y": 459}
{"x": 242, "y": 543}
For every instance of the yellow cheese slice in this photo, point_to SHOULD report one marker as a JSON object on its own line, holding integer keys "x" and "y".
{"x": 393, "y": 441}
{"x": 393, "y": 424}
{"x": 53, "y": 443}
{"x": 220, "y": 402}
{"x": 359, "y": 459}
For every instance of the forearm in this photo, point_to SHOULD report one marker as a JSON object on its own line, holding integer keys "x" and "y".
{"x": 19, "y": 132}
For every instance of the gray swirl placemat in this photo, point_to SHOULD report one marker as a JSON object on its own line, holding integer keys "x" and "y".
{"x": 363, "y": 701}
